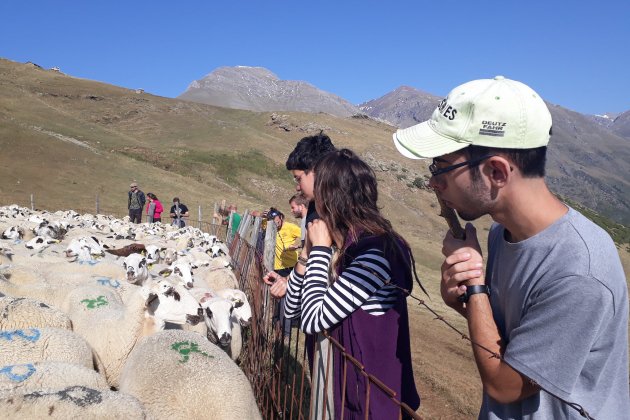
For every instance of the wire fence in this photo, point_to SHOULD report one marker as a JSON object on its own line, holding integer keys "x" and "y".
{"x": 291, "y": 372}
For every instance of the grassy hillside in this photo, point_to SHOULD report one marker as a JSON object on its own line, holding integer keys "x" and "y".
{"x": 66, "y": 140}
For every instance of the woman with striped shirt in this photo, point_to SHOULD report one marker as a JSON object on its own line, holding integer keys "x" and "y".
{"x": 356, "y": 296}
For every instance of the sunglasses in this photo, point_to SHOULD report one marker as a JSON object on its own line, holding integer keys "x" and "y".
{"x": 435, "y": 171}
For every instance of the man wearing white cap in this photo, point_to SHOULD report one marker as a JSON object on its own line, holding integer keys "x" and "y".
{"x": 553, "y": 302}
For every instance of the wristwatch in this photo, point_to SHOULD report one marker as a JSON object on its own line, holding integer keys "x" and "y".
{"x": 472, "y": 290}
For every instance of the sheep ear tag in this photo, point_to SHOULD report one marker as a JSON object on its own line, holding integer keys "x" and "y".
{"x": 238, "y": 303}
{"x": 149, "y": 266}
{"x": 166, "y": 272}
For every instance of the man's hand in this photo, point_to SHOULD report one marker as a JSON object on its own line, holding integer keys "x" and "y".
{"x": 271, "y": 277}
{"x": 278, "y": 284}
{"x": 463, "y": 266}
{"x": 279, "y": 288}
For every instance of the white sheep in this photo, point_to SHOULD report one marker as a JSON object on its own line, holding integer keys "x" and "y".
{"x": 177, "y": 374}
{"x": 24, "y": 313}
{"x": 154, "y": 254}
{"x": 167, "y": 301}
{"x": 31, "y": 345}
{"x": 135, "y": 265}
{"x": 13, "y": 233}
{"x": 215, "y": 278}
{"x": 40, "y": 242}
{"x": 110, "y": 327}
{"x": 74, "y": 402}
{"x": 218, "y": 317}
{"x": 113, "y": 328}
{"x": 29, "y": 377}
{"x": 242, "y": 308}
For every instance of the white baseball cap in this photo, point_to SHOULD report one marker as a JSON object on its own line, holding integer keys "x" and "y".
{"x": 499, "y": 112}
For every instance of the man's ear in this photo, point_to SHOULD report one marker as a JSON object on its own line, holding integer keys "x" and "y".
{"x": 500, "y": 170}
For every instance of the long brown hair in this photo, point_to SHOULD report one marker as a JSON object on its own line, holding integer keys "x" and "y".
{"x": 346, "y": 195}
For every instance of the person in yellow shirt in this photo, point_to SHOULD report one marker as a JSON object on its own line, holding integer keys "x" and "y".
{"x": 288, "y": 240}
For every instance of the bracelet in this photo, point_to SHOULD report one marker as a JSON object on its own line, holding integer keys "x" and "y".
{"x": 302, "y": 261}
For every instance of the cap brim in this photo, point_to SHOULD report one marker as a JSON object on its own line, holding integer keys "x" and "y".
{"x": 421, "y": 141}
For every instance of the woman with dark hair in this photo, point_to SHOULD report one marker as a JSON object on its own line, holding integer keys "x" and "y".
{"x": 357, "y": 295}
{"x": 154, "y": 209}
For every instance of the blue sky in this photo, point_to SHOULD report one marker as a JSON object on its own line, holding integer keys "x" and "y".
{"x": 575, "y": 54}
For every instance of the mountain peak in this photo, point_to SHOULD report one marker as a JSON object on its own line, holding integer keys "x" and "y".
{"x": 259, "y": 89}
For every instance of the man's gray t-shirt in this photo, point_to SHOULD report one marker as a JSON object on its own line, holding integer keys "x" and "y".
{"x": 560, "y": 301}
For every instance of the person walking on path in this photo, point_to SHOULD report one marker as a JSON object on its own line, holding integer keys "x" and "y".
{"x": 135, "y": 203}
{"x": 552, "y": 303}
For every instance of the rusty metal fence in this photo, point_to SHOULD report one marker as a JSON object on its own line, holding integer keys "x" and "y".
{"x": 290, "y": 371}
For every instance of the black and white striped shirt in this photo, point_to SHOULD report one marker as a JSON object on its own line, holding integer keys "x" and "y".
{"x": 322, "y": 306}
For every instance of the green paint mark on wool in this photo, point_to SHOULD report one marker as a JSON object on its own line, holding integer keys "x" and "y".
{"x": 185, "y": 348}
{"x": 95, "y": 303}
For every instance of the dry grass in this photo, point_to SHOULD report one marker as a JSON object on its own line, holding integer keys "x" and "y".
{"x": 65, "y": 140}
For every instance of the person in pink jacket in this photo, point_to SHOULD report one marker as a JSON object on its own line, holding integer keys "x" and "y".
{"x": 154, "y": 209}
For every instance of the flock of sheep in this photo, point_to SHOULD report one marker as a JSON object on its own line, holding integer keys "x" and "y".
{"x": 101, "y": 318}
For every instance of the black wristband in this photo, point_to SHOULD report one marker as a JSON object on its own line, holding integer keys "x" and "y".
{"x": 473, "y": 290}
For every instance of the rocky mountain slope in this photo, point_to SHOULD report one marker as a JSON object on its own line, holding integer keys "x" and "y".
{"x": 258, "y": 89}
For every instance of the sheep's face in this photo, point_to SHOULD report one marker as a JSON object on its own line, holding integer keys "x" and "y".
{"x": 217, "y": 251}
{"x": 135, "y": 266}
{"x": 183, "y": 272}
{"x": 242, "y": 309}
{"x": 154, "y": 254}
{"x": 14, "y": 233}
{"x": 40, "y": 242}
{"x": 84, "y": 249}
{"x": 170, "y": 256}
{"x": 218, "y": 318}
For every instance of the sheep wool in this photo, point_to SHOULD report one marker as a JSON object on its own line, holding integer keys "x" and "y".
{"x": 16, "y": 313}
{"x": 110, "y": 327}
{"x": 74, "y": 402}
{"x": 178, "y": 375}
{"x": 32, "y": 345}
{"x": 30, "y": 377}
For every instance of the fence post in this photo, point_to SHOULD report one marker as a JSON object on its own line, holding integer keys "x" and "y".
{"x": 97, "y": 205}
{"x": 270, "y": 246}
{"x": 32, "y": 203}
{"x": 199, "y": 218}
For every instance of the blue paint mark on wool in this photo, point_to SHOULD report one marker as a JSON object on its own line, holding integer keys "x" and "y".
{"x": 17, "y": 377}
{"x": 32, "y": 336}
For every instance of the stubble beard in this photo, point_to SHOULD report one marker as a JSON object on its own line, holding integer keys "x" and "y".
{"x": 477, "y": 202}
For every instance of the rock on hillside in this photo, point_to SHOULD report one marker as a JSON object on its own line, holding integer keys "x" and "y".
{"x": 258, "y": 89}
{"x": 588, "y": 162}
